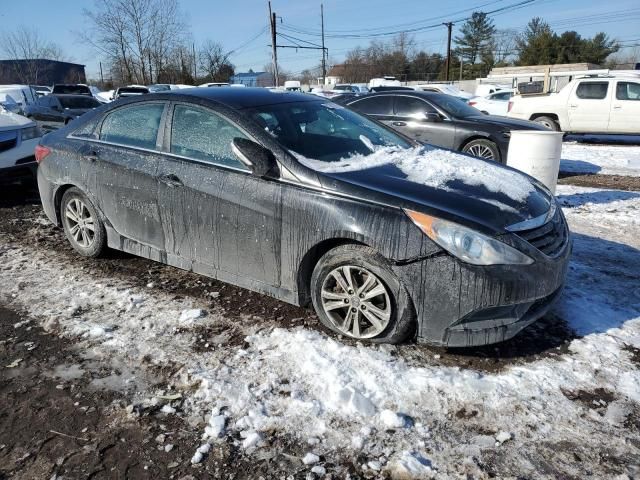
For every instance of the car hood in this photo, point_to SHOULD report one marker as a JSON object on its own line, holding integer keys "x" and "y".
{"x": 460, "y": 188}
{"x": 11, "y": 121}
{"x": 507, "y": 122}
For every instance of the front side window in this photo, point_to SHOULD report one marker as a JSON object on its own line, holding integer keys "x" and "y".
{"x": 592, "y": 90}
{"x": 79, "y": 102}
{"x": 411, "y": 107}
{"x": 382, "y": 105}
{"x": 628, "y": 91}
{"x": 203, "y": 135}
{"x": 134, "y": 126}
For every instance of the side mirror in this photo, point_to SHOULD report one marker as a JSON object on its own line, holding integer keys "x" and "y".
{"x": 432, "y": 117}
{"x": 255, "y": 157}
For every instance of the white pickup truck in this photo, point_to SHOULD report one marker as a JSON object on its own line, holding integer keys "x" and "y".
{"x": 585, "y": 105}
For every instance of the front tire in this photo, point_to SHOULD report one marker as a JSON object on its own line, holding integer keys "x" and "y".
{"x": 482, "y": 148}
{"x": 82, "y": 225}
{"x": 356, "y": 293}
{"x": 548, "y": 122}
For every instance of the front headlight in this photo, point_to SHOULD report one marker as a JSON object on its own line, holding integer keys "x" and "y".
{"x": 30, "y": 133}
{"x": 466, "y": 244}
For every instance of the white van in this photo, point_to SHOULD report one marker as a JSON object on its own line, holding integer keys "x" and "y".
{"x": 384, "y": 82}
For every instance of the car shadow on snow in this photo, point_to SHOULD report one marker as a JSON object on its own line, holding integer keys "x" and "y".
{"x": 570, "y": 167}
{"x": 602, "y": 292}
{"x": 597, "y": 197}
{"x": 13, "y": 195}
{"x": 604, "y": 139}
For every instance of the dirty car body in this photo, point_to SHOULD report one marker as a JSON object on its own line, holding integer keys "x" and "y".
{"x": 268, "y": 230}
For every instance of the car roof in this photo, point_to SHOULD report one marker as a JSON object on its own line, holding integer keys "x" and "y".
{"x": 68, "y": 95}
{"x": 404, "y": 93}
{"x": 239, "y": 98}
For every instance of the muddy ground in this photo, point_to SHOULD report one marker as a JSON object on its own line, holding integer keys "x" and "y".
{"x": 58, "y": 421}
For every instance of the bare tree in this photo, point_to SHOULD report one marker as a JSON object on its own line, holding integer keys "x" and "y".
{"x": 138, "y": 37}
{"x": 214, "y": 62}
{"x": 26, "y": 44}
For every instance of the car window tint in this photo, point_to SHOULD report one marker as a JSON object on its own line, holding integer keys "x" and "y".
{"x": 42, "y": 101}
{"x": 88, "y": 129}
{"x": 628, "y": 91}
{"x": 501, "y": 96}
{"x": 135, "y": 126}
{"x": 411, "y": 107}
{"x": 592, "y": 90}
{"x": 204, "y": 135}
{"x": 382, "y": 105}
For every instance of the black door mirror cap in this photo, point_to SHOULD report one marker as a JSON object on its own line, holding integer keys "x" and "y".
{"x": 432, "y": 117}
{"x": 255, "y": 157}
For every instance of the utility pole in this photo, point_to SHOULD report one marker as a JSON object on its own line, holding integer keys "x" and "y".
{"x": 195, "y": 62}
{"x": 274, "y": 53}
{"x": 101, "y": 76}
{"x": 449, "y": 26}
{"x": 324, "y": 65}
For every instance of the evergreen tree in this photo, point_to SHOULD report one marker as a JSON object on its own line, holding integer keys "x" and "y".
{"x": 477, "y": 32}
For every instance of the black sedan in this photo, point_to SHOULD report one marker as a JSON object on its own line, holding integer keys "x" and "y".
{"x": 54, "y": 111}
{"x": 299, "y": 198}
{"x": 440, "y": 120}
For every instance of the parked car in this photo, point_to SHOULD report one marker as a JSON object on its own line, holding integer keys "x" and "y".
{"x": 130, "y": 91}
{"x": 159, "y": 87}
{"x": 23, "y": 95}
{"x": 387, "y": 81}
{"x": 71, "y": 89}
{"x": 19, "y": 137}
{"x": 445, "y": 88}
{"x": 55, "y": 111}
{"x": 387, "y": 88}
{"x": 290, "y": 195}
{"x": 484, "y": 89}
{"x": 441, "y": 120}
{"x": 214, "y": 84}
{"x": 9, "y": 104}
{"x": 609, "y": 105}
{"x": 292, "y": 86}
{"x": 348, "y": 87}
{"x": 493, "y": 104}
{"x": 41, "y": 90}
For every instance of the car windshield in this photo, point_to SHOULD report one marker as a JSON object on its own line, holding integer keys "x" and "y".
{"x": 323, "y": 130}
{"x": 72, "y": 89}
{"x": 79, "y": 102}
{"x": 455, "y": 106}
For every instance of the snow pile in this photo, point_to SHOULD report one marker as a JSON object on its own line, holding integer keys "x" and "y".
{"x": 434, "y": 167}
{"x": 602, "y": 159}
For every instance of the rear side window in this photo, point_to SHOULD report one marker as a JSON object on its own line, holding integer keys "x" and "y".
{"x": 203, "y": 135}
{"x": 592, "y": 90}
{"x": 134, "y": 126}
{"x": 411, "y": 106}
{"x": 502, "y": 96}
{"x": 628, "y": 91}
{"x": 382, "y": 105}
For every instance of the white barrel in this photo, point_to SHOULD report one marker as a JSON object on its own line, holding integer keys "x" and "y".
{"x": 536, "y": 153}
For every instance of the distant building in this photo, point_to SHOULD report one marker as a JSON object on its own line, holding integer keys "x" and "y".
{"x": 40, "y": 72}
{"x": 334, "y": 76}
{"x": 252, "y": 79}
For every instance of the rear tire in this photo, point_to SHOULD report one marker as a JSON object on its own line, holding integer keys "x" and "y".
{"x": 482, "y": 148}
{"x": 82, "y": 225}
{"x": 356, "y": 293}
{"x": 548, "y": 122}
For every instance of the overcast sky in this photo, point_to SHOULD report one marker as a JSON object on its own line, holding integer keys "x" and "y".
{"x": 233, "y": 23}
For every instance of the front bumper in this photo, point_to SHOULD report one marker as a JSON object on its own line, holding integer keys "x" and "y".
{"x": 462, "y": 305}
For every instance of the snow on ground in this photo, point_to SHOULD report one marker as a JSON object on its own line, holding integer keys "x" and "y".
{"x": 367, "y": 402}
{"x": 600, "y": 159}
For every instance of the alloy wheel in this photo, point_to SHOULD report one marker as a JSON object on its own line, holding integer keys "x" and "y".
{"x": 482, "y": 151}
{"x": 356, "y": 301}
{"x": 80, "y": 222}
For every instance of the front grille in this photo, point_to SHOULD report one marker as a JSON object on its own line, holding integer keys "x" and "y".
{"x": 550, "y": 238}
{"x": 7, "y": 144}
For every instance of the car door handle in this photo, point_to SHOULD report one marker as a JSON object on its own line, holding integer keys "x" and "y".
{"x": 170, "y": 180}
{"x": 617, "y": 107}
{"x": 399, "y": 124}
{"x": 573, "y": 106}
{"x": 91, "y": 155}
